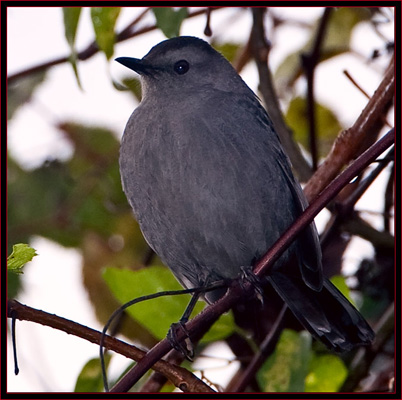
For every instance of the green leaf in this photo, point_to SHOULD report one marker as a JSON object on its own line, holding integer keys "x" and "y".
{"x": 134, "y": 86}
{"x": 228, "y": 50}
{"x": 71, "y": 17}
{"x": 340, "y": 283}
{"x": 90, "y": 378}
{"x": 340, "y": 29}
{"x": 336, "y": 41}
{"x": 104, "y": 21}
{"x": 168, "y": 20}
{"x": 285, "y": 370}
{"x": 127, "y": 285}
{"x": 327, "y": 124}
{"x": 20, "y": 91}
{"x": 327, "y": 374}
{"x": 65, "y": 201}
{"x": 73, "y": 61}
{"x": 20, "y": 255}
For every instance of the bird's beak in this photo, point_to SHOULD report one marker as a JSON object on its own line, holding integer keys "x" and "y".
{"x": 140, "y": 66}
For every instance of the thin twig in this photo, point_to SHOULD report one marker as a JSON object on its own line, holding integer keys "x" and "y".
{"x": 129, "y": 29}
{"x": 356, "y": 85}
{"x": 266, "y": 348}
{"x": 141, "y": 299}
{"x": 348, "y": 204}
{"x": 309, "y": 63}
{"x": 343, "y": 209}
{"x": 207, "y": 29}
{"x": 14, "y": 340}
{"x": 360, "y": 364}
{"x": 389, "y": 200}
{"x": 92, "y": 48}
{"x": 260, "y": 50}
{"x": 359, "y": 227}
{"x": 177, "y": 375}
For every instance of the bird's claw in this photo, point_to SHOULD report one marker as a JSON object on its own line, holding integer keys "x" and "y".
{"x": 248, "y": 275}
{"x": 184, "y": 347}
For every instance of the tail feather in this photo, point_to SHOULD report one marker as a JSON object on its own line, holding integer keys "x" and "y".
{"x": 326, "y": 314}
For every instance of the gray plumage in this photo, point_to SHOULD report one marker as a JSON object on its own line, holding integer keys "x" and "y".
{"x": 211, "y": 187}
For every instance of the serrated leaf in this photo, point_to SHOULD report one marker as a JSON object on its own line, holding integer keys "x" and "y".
{"x": 286, "y": 369}
{"x": 327, "y": 124}
{"x": 21, "y": 254}
{"x": 168, "y": 20}
{"x": 90, "y": 378}
{"x": 127, "y": 285}
{"x": 327, "y": 374}
{"x": 104, "y": 21}
{"x": 71, "y": 17}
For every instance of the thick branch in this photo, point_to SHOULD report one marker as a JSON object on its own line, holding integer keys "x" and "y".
{"x": 179, "y": 376}
{"x": 359, "y": 227}
{"x": 348, "y": 144}
{"x": 322, "y": 200}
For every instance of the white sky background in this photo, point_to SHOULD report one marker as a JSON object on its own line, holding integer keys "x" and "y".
{"x": 51, "y": 360}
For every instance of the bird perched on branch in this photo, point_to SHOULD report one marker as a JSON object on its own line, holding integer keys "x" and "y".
{"x": 212, "y": 189}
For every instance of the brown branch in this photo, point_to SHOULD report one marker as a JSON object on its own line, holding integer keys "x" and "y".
{"x": 359, "y": 227}
{"x": 348, "y": 204}
{"x": 344, "y": 217}
{"x": 267, "y": 347}
{"x": 322, "y": 200}
{"x": 309, "y": 63}
{"x": 349, "y": 143}
{"x": 361, "y": 90}
{"x": 201, "y": 323}
{"x": 389, "y": 200}
{"x": 260, "y": 50}
{"x": 157, "y": 380}
{"x": 179, "y": 376}
{"x": 360, "y": 364}
{"x": 92, "y": 48}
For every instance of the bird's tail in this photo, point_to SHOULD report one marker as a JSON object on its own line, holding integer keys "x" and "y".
{"x": 326, "y": 314}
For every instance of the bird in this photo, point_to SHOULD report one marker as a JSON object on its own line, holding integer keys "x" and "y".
{"x": 212, "y": 188}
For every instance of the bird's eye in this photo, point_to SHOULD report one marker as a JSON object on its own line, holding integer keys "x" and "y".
{"x": 181, "y": 67}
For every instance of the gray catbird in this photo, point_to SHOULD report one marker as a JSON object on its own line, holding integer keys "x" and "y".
{"x": 212, "y": 189}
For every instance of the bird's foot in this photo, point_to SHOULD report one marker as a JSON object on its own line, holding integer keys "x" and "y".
{"x": 185, "y": 347}
{"x": 247, "y": 275}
